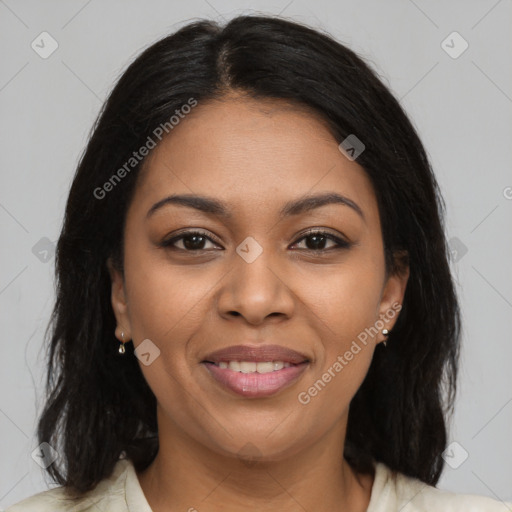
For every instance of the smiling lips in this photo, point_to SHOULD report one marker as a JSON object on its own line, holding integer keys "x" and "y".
{"x": 256, "y": 371}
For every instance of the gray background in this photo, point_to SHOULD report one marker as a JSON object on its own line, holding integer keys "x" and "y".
{"x": 461, "y": 106}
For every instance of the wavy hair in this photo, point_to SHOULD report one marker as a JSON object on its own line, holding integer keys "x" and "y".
{"x": 98, "y": 405}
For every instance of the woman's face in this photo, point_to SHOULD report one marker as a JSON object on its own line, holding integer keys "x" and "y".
{"x": 253, "y": 277}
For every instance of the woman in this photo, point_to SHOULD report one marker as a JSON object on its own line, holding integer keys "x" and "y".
{"x": 255, "y": 307}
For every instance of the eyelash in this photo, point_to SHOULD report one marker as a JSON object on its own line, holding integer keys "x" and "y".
{"x": 341, "y": 244}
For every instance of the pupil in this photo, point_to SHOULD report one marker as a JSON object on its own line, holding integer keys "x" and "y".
{"x": 193, "y": 246}
{"x": 320, "y": 240}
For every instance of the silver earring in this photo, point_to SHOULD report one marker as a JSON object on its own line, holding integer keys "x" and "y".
{"x": 385, "y": 332}
{"x": 122, "y": 350}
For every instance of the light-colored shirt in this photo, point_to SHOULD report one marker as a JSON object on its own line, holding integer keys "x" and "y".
{"x": 121, "y": 492}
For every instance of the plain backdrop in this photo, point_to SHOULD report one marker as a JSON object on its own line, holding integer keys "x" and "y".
{"x": 459, "y": 98}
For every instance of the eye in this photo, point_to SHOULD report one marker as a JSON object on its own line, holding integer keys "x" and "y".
{"x": 318, "y": 240}
{"x": 190, "y": 241}
{"x": 195, "y": 241}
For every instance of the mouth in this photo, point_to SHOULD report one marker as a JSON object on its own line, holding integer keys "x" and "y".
{"x": 268, "y": 378}
{"x": 256, "y": 371}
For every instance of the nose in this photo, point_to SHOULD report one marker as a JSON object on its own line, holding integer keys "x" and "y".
{"x": 256, "y": 290}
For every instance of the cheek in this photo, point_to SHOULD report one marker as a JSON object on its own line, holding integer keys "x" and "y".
{"x": 163, "y": 300}
{"x": 167, "y": 306}
{"x": 345, "y": 298}
{"x": 345, "y": 351}
{"x": 345, "y": 305}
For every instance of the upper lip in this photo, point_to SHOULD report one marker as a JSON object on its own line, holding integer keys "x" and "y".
{"x": 256, "y": 353}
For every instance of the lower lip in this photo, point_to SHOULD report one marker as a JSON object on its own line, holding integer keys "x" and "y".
{"x": 256, "y": 385}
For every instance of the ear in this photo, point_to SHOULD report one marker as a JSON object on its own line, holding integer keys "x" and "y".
{"x": 394, "y": 291}
{"x": 119, "y": 302}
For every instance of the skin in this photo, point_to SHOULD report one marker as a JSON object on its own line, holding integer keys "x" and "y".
{"x": 254, "y": 156}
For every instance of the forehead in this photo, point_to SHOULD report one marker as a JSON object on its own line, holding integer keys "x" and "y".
{"x": 253, "y": 153}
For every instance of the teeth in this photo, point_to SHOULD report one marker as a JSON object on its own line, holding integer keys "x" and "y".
{"x": 266, "y": 367}
{"x": 253, "y": 367}
{"x": 248, "y": 367}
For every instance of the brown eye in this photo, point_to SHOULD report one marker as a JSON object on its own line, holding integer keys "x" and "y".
{"x": 317, "y": 240}
{"x": 190, "y": 241}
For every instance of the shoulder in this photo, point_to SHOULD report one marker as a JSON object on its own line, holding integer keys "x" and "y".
{"x": 108, "y": 495}
{"x": 396, "y": 491}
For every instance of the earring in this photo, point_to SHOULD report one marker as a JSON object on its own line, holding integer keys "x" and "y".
{"x": 385, "y": 332}
{"x": 121, "y": 345}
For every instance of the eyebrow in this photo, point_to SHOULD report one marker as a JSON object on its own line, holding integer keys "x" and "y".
{"x": 219, "y": 209}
